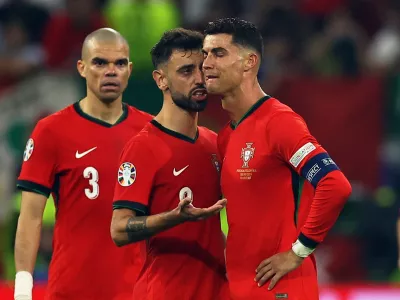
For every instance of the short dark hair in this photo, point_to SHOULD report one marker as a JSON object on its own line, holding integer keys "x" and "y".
{"x": 175, "y": 39}
{"x": 244, "y": 33}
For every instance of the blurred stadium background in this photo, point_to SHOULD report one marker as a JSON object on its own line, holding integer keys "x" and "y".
{"x": 336, "y": 62}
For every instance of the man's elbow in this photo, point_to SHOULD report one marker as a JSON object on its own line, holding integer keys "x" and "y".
{"x": 117, "y": 236}
{"x": 342, "y": 187}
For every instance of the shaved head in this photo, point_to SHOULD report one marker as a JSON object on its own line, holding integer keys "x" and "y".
{"x": 101, "y": 36}
{"x": 105, "y": 64}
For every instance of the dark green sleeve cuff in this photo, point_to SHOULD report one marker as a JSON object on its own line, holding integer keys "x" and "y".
{"x": 29, "y": 186}
{"x": 309, "y": 243}
{"x": 139, "y": 208}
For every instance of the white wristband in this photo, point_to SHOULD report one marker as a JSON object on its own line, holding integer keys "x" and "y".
{"x": 23, "y": 286}
{"x": 300, "y": 250}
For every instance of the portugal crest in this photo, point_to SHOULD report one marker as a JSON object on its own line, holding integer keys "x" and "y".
{"x": 247, "y": 154}
{"x": 126, "y": 174}
{"x": 28, "y": 149}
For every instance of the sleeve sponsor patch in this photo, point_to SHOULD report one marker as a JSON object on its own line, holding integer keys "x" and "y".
{"x": 28, "y": 149}
{"x": 317, "y": 167}
{"x": 297, "y": 158}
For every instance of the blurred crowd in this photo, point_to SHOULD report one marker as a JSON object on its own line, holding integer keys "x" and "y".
{"x": 328, "y": 40}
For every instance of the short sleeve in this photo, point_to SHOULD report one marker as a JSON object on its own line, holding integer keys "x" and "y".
{"x": 39, "y": 161}
{"x": 292, "y": 142}
{"x": 136, "y": 173}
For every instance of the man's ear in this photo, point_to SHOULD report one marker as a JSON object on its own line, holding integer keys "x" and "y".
{"x": 81, "y": 67}
{"x": 130, "y": 66}
{"x": 160, "y": 79}
{"x": 251, "y": 62}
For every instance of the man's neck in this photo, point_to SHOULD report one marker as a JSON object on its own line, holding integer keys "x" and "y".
{"x": 107, "y": 112}
{"x": 177, "y": 119}
{"x": 239, "y": 101}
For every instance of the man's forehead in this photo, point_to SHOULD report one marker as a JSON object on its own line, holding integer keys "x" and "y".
{"x": 221, "y": 40}
{"x": 108, "y": 50}
{"x": 179, "y": 57}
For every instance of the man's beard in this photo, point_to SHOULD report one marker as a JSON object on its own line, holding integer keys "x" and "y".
{"x": 187, "y": 104}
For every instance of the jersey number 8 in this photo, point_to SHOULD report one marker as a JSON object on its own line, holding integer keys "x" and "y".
{"x": 185, "y": 193}
{"x": 93, "y": 176}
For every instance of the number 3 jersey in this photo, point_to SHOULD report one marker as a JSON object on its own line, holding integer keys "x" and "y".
{"x": 75, "y": 157}
{"x": 158, "y": 168}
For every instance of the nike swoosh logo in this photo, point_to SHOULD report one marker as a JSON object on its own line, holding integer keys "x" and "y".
{"x": 80, "y": 155}
{"x": 177, "y": 173}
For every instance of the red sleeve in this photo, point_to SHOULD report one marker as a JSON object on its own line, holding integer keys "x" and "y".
{"x": 39, "y": 161}
{"x": 330, "y": 196}
{"x": 136, "y": 173}
{"x": 292, "y": 142}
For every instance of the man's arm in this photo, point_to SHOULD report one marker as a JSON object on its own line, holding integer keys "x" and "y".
{"x": 298, "y": 148}
{"x": 127, "y": 227}
{"x": 27, "y": 240}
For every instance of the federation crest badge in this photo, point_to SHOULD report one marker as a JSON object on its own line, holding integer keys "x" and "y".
{"x": 247, "y": 154}
{"x": 126, "y": 174}
{"x": 215, "y": 162}
{"x": 28, "y": 149}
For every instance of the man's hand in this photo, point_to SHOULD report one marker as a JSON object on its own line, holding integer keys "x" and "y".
{"x": 276, "y": 267}
{"x": 188, "y": 212}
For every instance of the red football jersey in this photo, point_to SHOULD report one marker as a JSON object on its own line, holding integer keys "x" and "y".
{"x": 75, "y": 157}
{"x": 264, "y": 159}
{"x": 158, "y": 168}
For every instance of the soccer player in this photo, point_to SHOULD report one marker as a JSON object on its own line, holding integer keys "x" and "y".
{"x": 74, "y": 154}
{"x": 168, "y": 170}
{"x": 266, "y": 148}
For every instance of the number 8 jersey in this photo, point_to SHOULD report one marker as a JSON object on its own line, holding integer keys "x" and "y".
{"x": 158, "y": 168}
{"x": 75, "y": 157}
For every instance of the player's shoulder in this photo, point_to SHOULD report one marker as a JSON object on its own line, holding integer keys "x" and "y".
{"x": 146, "y": 144}
{"x": 278, "y": 111}
{"x": 57, "y": 120}
{"x": 277, "y": 107}
{"x": 145, "y": 138}
{"x": 137, "y": 113}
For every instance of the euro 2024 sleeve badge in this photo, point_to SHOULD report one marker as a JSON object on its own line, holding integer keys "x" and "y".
{"x": 28, "y": 149}
{"x": 126, "y": 174}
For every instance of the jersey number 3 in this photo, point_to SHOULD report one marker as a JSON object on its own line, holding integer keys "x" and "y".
{"x": 93, "y": 176}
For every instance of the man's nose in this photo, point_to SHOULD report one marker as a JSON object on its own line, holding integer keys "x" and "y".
{"x": 111, "y": 70}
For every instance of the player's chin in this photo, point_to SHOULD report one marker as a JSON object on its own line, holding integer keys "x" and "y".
{"x": 109, "y": 98}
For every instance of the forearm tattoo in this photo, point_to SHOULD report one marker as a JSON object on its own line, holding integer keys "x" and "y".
{"x": 137, "y": 228}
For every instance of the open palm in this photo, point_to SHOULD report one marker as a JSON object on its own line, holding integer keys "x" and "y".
{"x": 191, "y": 213}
